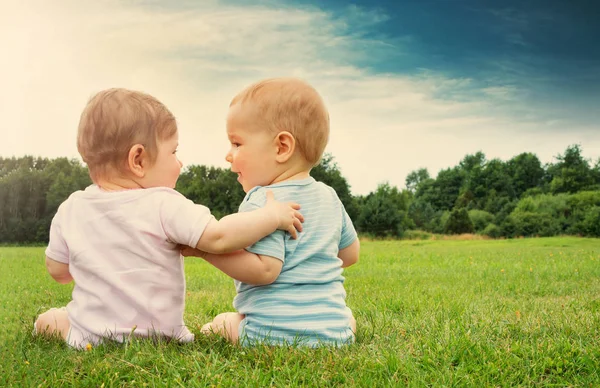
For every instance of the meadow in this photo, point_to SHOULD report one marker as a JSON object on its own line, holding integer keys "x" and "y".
{"x": 523, "y": 312}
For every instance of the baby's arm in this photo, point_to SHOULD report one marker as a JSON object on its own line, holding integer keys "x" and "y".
{"x": 59, "y": 271}
{"x": 237, "y": 231}
{"x": 350, "y": 254}
{"x": 242, "y": 265}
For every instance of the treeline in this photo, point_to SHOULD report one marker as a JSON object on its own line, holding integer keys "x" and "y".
{"x": 518, "y": 197}
{"x": 31, "y": 189}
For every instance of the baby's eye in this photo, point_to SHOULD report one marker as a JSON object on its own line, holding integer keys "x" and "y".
{"x": 236, "y": 144}
{"x": 175, "y": 151}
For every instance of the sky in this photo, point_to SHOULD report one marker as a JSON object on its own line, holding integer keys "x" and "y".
{"x": 409, "y": 84}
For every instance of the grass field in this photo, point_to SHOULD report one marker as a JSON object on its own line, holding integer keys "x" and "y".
{"x": 443, "y": 313}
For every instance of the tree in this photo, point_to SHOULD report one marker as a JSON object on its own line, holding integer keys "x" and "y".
{"x": 442, "y": 192}
{"x": 27, "y": 162}
{"x": 459, "y": 222}
{"x": 572, "y": 172}
{"x": 471, "y": 166}
{"x": 213, "y": 187}
{"x": 496, "y": 177}
{"x": 596, "y": 173}
{"x": 482, "y": 179}
{"x": 383, "y": 212}
{"x": 23, "y": 192}
{"x": 65, "y": 177}
{"x": 31, "y": 189}
{"x": 415, "y": 178}
{"x": 422, "y": 214}
{"x": 472, "y": 162}
{"x": 526, "y": 172}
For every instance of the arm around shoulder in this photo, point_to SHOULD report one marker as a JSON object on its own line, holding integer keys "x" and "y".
{"x": 240, "y": 230}
{"x": 59, "y": 271}
{"x": 235, "y": 231}
{"x": 350, "y": 254}
{"x": 244, "y": 266}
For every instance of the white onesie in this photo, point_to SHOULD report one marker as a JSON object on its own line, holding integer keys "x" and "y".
{"x": 123, "y": 255}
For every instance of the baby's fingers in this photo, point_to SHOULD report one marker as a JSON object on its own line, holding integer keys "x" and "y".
{"x": 294, "y": 205}
{"x": 292, "y": 231}
{"x": 297, "y": 225}
{"x": 299, "y": 216}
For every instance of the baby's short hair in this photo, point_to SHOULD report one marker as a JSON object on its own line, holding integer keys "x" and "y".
{"x": 116, "y": 119}
{"x": 290, "y": 104}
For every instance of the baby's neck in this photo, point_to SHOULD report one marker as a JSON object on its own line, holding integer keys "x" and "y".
{"x": 292, "y": 175}
{"x": 116, "y": 184}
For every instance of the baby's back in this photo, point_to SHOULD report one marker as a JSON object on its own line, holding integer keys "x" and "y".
{"x": 128, "y": 273}
{"x": 308, "y": 297}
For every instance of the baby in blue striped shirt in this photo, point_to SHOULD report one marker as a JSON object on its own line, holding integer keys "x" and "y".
{"x": 289, "y": 291}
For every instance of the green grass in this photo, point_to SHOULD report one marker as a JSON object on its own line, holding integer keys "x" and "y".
{"x": 444, "y": 313}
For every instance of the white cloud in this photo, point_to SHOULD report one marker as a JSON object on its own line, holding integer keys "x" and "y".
{"x": 196, "y": 58}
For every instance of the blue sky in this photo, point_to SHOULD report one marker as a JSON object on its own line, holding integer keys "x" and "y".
{"x": 409, "y": 84}
{"x": 546, "y": 51}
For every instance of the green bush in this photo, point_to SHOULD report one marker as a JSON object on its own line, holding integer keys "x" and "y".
{"x": 548, "y": 215}
{"x": 535, "y": 224}
{"x": 542, "y": 215}
{"x": 481, "y": 219}
{"x": 505, "y": 210}
{"x": 584, "y": 200}
{"x": 508, "y": 228}
{"x": 553, "y": 205}
{"x": 582, "y": 211}
{"x": 459, "y": 222}
{"x": 492, "y": 230}
{"x": 438, "y": 224}
{"x": 591, "y": 222}
{"x": 532, "y": 192}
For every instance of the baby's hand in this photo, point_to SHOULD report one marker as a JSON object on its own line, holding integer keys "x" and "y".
{"x": 189, "y": 251}
{"x": 288, "y": 216}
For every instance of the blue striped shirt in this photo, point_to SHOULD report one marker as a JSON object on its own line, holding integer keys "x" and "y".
{"x": 306, "y": 304}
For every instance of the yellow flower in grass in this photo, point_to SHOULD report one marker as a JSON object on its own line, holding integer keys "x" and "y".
{"x": 88, "y": 347}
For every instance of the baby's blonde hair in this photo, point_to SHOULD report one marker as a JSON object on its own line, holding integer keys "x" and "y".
{"x": 116, "y": 119}
{"x": 290, "y": 104}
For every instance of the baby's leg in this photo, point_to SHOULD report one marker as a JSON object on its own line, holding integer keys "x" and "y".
{"x": 52, "y": 322}
{"x": 226, "y": 325}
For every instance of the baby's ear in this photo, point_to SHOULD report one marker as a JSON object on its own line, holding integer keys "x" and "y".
{"x": 137, "y": 160}
{"x": 286, "y": 145}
